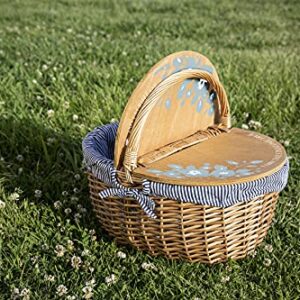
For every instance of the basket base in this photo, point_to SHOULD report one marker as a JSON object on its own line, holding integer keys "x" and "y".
{"x": 186, "y": 231}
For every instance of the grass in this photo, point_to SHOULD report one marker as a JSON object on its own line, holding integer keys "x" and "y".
{"x": 68, "y": 66}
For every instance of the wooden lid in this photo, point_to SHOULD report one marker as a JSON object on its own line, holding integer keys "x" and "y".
{"x": 176, "y": 98}
{"x": 230, "y": 157}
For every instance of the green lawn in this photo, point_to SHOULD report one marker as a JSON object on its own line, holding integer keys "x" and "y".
{"x": 67, "y": 66}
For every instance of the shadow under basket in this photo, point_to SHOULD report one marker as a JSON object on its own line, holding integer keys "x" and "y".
{"x": 197, "y": 233}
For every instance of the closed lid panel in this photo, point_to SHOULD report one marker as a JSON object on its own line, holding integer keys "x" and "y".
{"x": 233, "y": 157}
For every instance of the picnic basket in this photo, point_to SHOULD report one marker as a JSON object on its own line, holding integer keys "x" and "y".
{"x": 173, "y": 178}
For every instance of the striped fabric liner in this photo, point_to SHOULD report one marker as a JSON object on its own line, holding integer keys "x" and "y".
{"x": 98, "y": 152}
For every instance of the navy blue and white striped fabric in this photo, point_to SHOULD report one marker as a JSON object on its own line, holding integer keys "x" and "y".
{"x": 98, "y": 152}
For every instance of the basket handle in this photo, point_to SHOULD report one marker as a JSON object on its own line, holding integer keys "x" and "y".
{"x": 133, "y": 141}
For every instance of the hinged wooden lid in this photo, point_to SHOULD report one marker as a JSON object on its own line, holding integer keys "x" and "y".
{"x": 179, "y": 96}
{"x": 229, "y": 157}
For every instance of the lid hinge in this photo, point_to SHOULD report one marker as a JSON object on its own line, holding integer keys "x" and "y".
{"x": 196, "y": 138}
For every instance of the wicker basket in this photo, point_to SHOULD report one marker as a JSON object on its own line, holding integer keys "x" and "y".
{"x": 182, "y": 230}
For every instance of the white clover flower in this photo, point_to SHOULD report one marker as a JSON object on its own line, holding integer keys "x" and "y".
{"x": 20, "y": 158}
{"x": 71, "y": 297}
{"x": 75, "y": 118}
{"x": 60, "y": 250}
{"x": 64, "y": 193}
{"x": 49, "y": 278}
{"x": 124, "y": 53}
{"x": 81, "y": 62}
{"x": 68, "y": 211}
{"x": 25, "y": 294}
{"x": 50, "y": 140}
{"x": 34, "y": 81}
{"x": 14, "y": 196}
{"x": 61, "y": 290}
{"x": 245, "y": 126}
{"x": 77, "y": 176}
{"x": 38, "y": 193}
{"x": 109, "y": 280}
{"x": 15, "y": 293}
{"x": 92, "y": 232}
{"x": 44, "y": 67}
{"x": 77, "y": 216}
{"x": 76, "y": 262}
{"x": 286, "y": 143}
{"x": 57, "y": 204}
{"x": 45, "y": 247}
{"x": 66, "y": 105}
{"x": 85, "y": 252}
{"x": 254, "y": 124}
{"x": 70, "y": 245}
{"x": 269, "y": 248}
{"x": 50, "y": 113}
{"x": 121, "y": 254}
{"x": 2, "y": 204}
{"x": 34, "y": 259}
{"x": 88, "y": 292}
{"x": 267, "y": 262}
{"x": 225, "y": 279}
{"x": 148, "y": 266}
{"x": 91, "y": 283}
{"x": 245, "y": 115}
{"x": 74, "y": 199}
{"x": 228, "y": 268}
{"x": 69, "y": 30}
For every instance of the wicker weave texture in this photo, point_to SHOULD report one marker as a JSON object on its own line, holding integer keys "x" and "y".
{"x": 185, "y": 230}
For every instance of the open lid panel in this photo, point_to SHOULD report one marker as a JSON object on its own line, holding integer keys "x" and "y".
{"x": 179, "y": 96}
{"x": 229, "y": 157}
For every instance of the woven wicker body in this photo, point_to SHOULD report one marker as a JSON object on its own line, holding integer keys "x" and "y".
{"x": 185, "y": 230}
